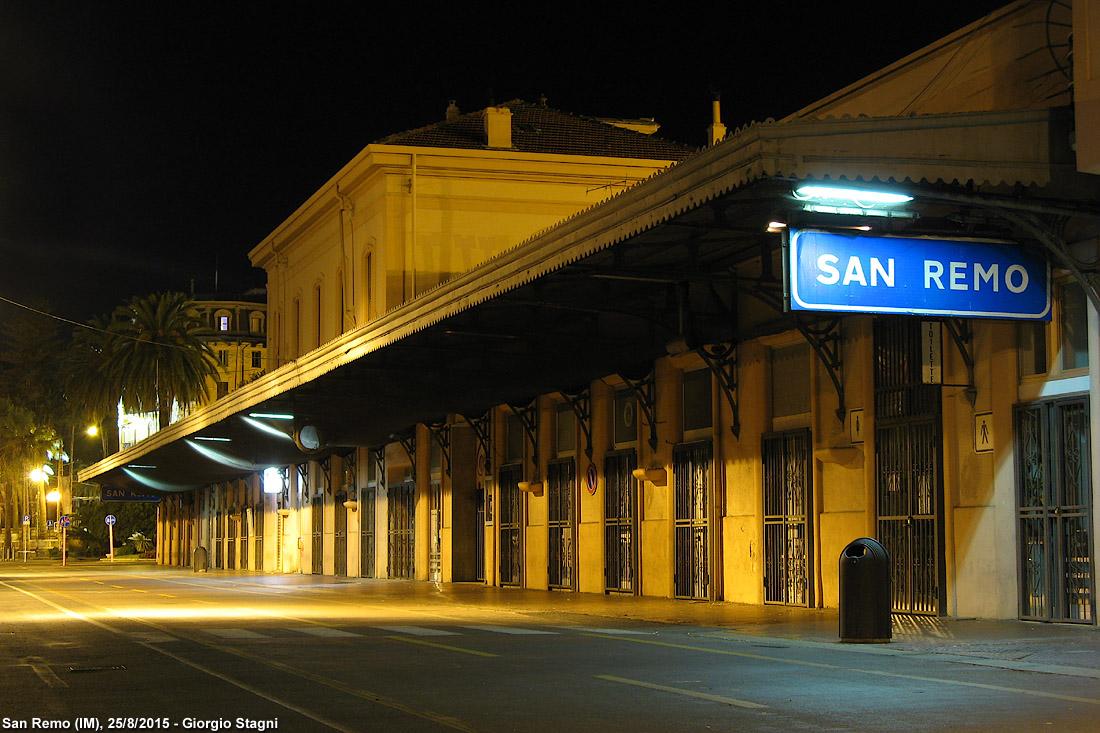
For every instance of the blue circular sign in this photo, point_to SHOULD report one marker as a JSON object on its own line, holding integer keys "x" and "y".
{"x": 109, "y": 519}
{"x": 66, "y": 521}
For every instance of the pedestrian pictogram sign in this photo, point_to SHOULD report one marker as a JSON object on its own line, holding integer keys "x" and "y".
{"x": 983, "y": 432}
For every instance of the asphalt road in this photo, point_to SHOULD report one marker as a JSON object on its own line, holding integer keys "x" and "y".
{"x": 144, "y": 648}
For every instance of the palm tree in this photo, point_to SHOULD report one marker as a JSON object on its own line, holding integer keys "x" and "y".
{"x": 23, "y": 444}
{"x": 158, "y": 355}
{"x": 92, "y": 383}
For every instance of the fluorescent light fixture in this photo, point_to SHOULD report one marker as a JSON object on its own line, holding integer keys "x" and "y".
{"x": 221, "y": 458}
{"x": 776, "y": 226}
{"x": 212, "y": 439}
{"x": 271, "y": 415}
{"x": 138, "y": 465}
{"x": 860, "y": 197}
{"x": 269, "y": 429}
{"x": 855, "y": 211}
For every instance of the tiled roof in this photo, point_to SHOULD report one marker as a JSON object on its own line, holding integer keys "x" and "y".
{"x": 540, "y": 129}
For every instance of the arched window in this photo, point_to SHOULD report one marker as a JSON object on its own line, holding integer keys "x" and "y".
{"x": 296, "y": 343}
{"x": 317, "y": 313}
{"x": 223, "y": 320}
{"x": 341, "y": 321}
{"x": 256, "y": 323}
{"x": 368, "y": 284}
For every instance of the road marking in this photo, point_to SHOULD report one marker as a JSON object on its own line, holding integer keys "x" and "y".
{"x": 417, "y": 630}
{"x": 679, "y": 691}
{"x": 45, "y": 673}
{"x": 896, "y": 675}
{"x": 236, "y": 634}
{"x": 448, "y": 647}
{"x": 444, "y": 720}
{"x": 152, "y": 637}
{"x": 508, "y": 630}
{"x": 323, "y": 631}
{"x": 254, "y": 690}
{"x": 598, "y": 630}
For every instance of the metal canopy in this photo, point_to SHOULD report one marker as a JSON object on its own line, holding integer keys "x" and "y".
{"x": 680, "y": 261}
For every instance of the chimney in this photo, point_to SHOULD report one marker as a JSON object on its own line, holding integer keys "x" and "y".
{"x": 452, "y": 111}
{"x": 717, "y": 130}
{"x": 498, "y": 127}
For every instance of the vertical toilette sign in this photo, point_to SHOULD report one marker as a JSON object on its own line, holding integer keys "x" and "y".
{"x": 931, "y": 352}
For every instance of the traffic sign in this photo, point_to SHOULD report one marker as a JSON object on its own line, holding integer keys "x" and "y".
{"x": 66, "y": 521}
{"x": 26, "y": 519}
{"x": 109, "y": 519}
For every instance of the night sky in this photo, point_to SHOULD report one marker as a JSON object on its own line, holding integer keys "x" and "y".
{"x": 141, "y": 148}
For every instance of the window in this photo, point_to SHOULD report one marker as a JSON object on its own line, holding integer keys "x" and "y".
{"x": 1074, "y": 326}
{"x": 626, "y": 417}
{"x": 256, "y": 322}
{"x": 223, "y": 389}
{"x": 1062, "y": 344}
{"x": 317, "y": 313}
{"x": 296, "y": 344}
{"x": 790, "y": 380}
{"x": 223, "y": 323}
{"x": 223, "y": 320}
{"x": 223, "y": 357}
{"x": 565, "y": 429}
{"x": 257, "y": 359}
{"x": 435, "y": 457}
{"x": 698, "y": 403}
{"x": 368, "y": 284}
{"x": 513, "y": 438}
{"x": 341, "y": 306}
{"x": 1031, "y": 339}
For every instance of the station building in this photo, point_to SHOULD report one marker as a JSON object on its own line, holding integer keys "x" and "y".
{"x": 537, "y": 350}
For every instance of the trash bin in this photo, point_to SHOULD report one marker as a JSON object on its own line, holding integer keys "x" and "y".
{"x": 865, "y": 592}
{"x": 200, "y": 560}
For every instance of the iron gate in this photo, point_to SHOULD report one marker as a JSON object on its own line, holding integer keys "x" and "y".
{"x": 435, "y": 532}
{"x": 691, "y": 469}
{"x": 366, "y": 533}
{"x": 787, "y": 494}
{"x": 231, "y": 541}
{"x": 340, "y": 537}
{"x": 620, "y": 522}
{"x": 245, "y": 537}
{"x": 509, "y": 524}
{"x": 219, "y": 560}
{"x": 560, "y": 486}
{"x": 317, "y": 517}
{"x": 401, "y": 560}
{"x": 1054, "y": 506}
{"x": 479, "y": 541}
{"x": 908, "y": 474}
{"x": 258, "y": 531}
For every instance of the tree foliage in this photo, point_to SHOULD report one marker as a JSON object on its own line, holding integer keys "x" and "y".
{"x": 158, "y": 355}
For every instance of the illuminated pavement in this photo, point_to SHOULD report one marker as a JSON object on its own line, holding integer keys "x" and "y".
{"x": 246, "y": 651}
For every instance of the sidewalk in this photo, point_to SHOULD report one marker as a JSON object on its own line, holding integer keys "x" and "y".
{"x": 1068, "y": 649}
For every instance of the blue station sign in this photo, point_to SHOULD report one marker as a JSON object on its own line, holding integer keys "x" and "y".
{"x": 856, "y": 273}
{"x": 108, "y": 493}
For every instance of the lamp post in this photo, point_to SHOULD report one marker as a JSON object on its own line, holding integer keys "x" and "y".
{"x": 39, "y": 477}
{"x": 55, "y": 497}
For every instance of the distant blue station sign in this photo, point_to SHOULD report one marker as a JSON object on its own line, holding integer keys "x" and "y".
{"x": 856, "y": 273}
{"x": 112, "y": 494}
